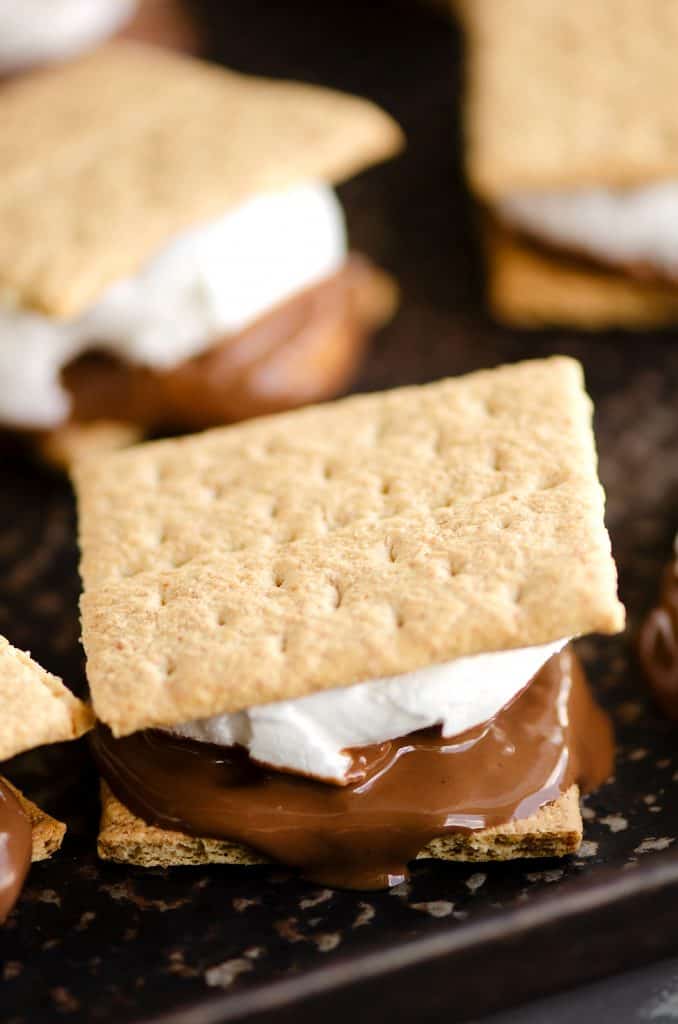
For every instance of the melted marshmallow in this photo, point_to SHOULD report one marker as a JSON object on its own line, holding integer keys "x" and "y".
{"x": 309, "y": 735}
{"x": 36, "y": 31}
{"x": 213, "y": 281}
{"x": 632, "y": 226}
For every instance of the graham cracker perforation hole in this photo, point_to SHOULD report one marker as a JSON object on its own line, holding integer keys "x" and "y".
{"x": 222, "y": 619}
{"x": 278, "y": 579}
{"x": 283, "y": 643}
{"x": 168, "y": 668}
{"x": 391, "y": 552}
{"x": 549, "y": 483}
{"x": 453, "y": 567}
{"x": 398, "y": 618}
{"x": 385, "y": 487}
{"x": 336, "y": 594}
{"x": 496, "y": 461}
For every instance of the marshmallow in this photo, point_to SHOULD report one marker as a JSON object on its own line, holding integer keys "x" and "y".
{"x": 209, "y": 283}
{"x": 310, "y": 735}
{"x": 37, "y": 31}
{"x": 633, "y": 226}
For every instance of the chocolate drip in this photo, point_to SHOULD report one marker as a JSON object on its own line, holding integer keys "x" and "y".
{"x": 15, "y": 849}
{"x": 303, "y": 350}
{"x": 658, "y": 645}
{"x": 402, "y": 793}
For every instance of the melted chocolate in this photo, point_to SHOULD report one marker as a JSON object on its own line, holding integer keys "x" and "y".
{"x": 304, "y": 350}
{"x": 15, "y": 849}
{"x": 658, "y": 645}
{"x": 402, "y": 793}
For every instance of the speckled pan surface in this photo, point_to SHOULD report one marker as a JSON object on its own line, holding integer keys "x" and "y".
{"x": 96, "y": 942}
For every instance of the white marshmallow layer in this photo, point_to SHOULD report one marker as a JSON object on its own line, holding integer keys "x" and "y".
{"x": 619, "y": 227}
{"x": 37, "y": 31}
{"x": 206, "y": 284}
{"x": 309, "y": 735}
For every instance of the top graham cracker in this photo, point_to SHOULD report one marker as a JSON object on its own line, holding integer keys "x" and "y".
{"x": 36, "y": 706}
{"x": 343, "y": 542}
{"x": 104, "y": 160}
{"x": 570, "y": 95}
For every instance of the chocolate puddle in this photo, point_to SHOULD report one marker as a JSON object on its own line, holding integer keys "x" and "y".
{"x": 303, "y": 350}
{"x": 658, "y": 645}
{"x": 15, "y": 849}
{"x": 403, "y": 792}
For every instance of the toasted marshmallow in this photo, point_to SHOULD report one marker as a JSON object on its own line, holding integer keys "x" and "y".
{"x": 37, "y": 31}
{"x": 633, "y": 226}
{"x": 210, "y": 282}
{"x": 311, "y": 734}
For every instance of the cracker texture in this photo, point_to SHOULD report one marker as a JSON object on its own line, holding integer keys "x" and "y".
{"x": 48, "y": 833}
{"x": 340, "y": 543}
{"x": 529, "y": 286}
{"x": 554, "y": 831}
{"x": 129, "y": 840}
{"x": 105, "y": 159}
{"x": 36, "y": 706}
{"x": 575, "y": 94}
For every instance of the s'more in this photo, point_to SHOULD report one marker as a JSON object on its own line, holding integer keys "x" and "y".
{"x": 571, "y": 130}
{"x": 36, "y": 709}
{"x": 172, "y": 251}
{"x": 339, "y": 638}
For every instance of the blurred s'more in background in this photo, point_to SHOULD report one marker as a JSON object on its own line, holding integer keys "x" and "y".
{"x": 572, "y": 152}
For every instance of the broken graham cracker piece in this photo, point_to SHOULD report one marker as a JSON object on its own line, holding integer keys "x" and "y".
{"x": 36, "y": 706}
{"x": 531, "y": 286}
{"x": 105, "y": 159}
{"x": 554, "y": 831}
{"x": 569, "y": 95}
{"x": 48, "y": 833}
{"x": 320, "y": 548}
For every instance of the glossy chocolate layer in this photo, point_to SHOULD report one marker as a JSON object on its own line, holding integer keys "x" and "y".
{"x": 658, "y": 645}
{"x": 15, "y": 849}
{"x": 402, "y": 793}
{"x": 304, "y": 350}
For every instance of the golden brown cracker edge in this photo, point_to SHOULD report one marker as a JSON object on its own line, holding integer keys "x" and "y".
{"x": 554, "y": 831}
{"x": 47, "y": 832}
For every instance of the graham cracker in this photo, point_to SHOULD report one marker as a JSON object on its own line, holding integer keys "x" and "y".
{"x": 554, "y": 831}
{"x": 48, "y": 833}
{"x": 341, "y": 543}
{"x": 105, "y": 159}
{"x": 569, "y": 95}
{"x": 529, "y": 286}
{"x": 36, "y": 706}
